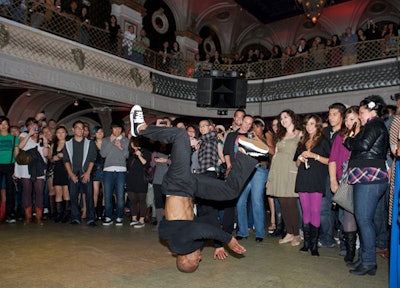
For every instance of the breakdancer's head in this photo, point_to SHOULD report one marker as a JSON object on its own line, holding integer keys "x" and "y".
{"x": 188, "y": 263}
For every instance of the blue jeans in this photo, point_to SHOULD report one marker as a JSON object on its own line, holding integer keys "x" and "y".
{"x": 381, "y": 221}
{"x": 257, "y": 187}
{"x": 366, "y": 198}
{"x": 328, "y": 218}
{"x": 137, "y": 57}
{"x": 74, "y": 190}
{"x": 114, "y": 181}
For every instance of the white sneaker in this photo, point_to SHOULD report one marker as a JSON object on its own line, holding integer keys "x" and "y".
{"x": 253, "y": 146}
{"x": 137, "y": 119}
{"x": 139, "y": 225}
{"x": 119, "y": 222}
{"x": 107, "y": 221}
{"x": 133, "y": 222}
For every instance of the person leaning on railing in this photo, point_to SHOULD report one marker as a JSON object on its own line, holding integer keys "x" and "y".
{"x": 84, "y": 36}
{"x": 127, "y": 42}
{"x": 140, "y": 46}
{"x": 114, "y": 29}
{"x": 38, "y": 13}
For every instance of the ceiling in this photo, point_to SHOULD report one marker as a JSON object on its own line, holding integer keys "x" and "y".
{"x": 268, "y": 11}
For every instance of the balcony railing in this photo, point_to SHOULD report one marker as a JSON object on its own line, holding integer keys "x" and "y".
{"x": 51, "y": 20}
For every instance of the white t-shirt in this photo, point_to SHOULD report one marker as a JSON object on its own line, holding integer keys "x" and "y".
{"x": 21, "y": 171}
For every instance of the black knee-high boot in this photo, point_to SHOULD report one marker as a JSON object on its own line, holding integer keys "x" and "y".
{"x": 350, "y": 240}
{"x": 59, "y": 210}
{"x": 307, "y": 238}
{"x": 67, "y": 211}
{"x": 314, "y": 240}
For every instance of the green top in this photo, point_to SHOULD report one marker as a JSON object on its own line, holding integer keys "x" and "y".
{"x": 139, "y": 48}
{"x": 6, "y": 148}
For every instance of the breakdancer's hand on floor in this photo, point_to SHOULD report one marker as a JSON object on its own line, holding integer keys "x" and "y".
{"x": 236, "y": 247}
{"x": 220, "y": 253}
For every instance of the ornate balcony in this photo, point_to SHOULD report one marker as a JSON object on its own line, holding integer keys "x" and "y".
{"x": 38, "y": 58}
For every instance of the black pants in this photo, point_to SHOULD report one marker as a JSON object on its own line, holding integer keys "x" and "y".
{"x": 180, "y": 181}
{"x": 7, "y": 170}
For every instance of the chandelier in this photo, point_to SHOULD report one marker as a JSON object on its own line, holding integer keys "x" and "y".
{"x": 312, "y": 8}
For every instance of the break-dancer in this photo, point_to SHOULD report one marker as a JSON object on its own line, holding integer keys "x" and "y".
{"x": 185, "y": 233}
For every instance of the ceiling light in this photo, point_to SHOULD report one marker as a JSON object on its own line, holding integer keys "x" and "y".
{"x": 312, "y": 8}
{"x": 76, "y": 103}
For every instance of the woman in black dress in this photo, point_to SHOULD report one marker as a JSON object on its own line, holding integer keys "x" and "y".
{"x": 312, "y": 158}
{"x": 97, "y": 173}
{"x": 60, "y": 176}
{"x": 136, "y": 182}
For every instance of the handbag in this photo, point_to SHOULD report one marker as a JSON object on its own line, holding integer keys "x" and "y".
{"x": 344, "y": 195}
{"x": 23, "y": 157}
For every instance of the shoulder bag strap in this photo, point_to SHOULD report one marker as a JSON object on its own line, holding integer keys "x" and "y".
{"x": 12, "y": 151}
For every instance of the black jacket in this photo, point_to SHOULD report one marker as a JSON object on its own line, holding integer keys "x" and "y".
{"x": 370, "y": 146}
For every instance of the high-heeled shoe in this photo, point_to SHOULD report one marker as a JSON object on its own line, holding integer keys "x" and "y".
{"x": 296, "y": 241}
{"x": 364, "y": 269}
{"x": 271, "y": 228}
{"x": 288, "y": 238}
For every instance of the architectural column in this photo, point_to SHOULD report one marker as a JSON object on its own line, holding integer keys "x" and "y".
{"x": 128, "y": 12}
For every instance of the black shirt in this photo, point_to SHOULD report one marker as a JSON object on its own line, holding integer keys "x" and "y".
{"x": 185, "y": 236}
{"x": 314, "y": 178}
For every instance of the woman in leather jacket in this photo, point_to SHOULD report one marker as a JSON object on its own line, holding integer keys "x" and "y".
{"x": 368, "y": 174}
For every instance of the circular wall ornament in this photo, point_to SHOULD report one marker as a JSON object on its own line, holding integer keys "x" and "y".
{"x": 209, "y": 45}
{"x": 160, "y": 21}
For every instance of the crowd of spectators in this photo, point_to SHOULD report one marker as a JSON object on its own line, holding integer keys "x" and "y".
{"x": 316, "y": 53}
{"x": 92, "y": 177}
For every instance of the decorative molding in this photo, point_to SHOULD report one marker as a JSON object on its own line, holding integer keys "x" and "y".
{"x": 79, "y": 58}
{"x": 158, "y": 18}
{"x": 133, "y": 4}
{"x": 136, "y": 76}
{"x": 189, "y": 34}
{"x": 4, "y": 36}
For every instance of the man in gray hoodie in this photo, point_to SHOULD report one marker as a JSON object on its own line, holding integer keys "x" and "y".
{"x": 115, "y": 151}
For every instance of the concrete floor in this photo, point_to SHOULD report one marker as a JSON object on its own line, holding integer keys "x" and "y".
{"x": 62, "y": 255}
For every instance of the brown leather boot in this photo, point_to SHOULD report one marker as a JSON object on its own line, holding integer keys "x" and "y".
{"x": 28, "y": 215}
{"x": 39, "y": 214}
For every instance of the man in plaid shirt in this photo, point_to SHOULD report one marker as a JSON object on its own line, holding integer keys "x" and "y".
{"x": 208, "y": 150}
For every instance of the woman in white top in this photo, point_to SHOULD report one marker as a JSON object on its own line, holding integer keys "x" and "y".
{"x": 33, "y": 175}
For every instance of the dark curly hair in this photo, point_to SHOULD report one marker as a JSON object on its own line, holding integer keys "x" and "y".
{"x": 282, "y": 130}
{"x": 374, "y": 102}
{"x": 306, "y": 136}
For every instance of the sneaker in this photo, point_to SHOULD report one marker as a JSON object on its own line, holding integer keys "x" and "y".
{"x": 107, "y": 221}
{"x": 10, "y": 220}
{"x": 119, "y": 222}
{"x": 137, "y": 119}
{"x": 253, "y": 147}
{"x": 139, "y": 225}
{"x": 91, "y": 223}
{"x": 133, "y": 222}
{"x": 75, "y": 222}
{"x": 323, "y": 245}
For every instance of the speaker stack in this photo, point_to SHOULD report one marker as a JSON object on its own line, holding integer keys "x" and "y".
{"x": 221, "y": 92}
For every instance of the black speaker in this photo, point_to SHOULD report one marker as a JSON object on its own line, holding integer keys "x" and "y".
{"x": 221, "y": 92}
{"x": 205, "y": 92}
{"x": 240, "y": 92}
